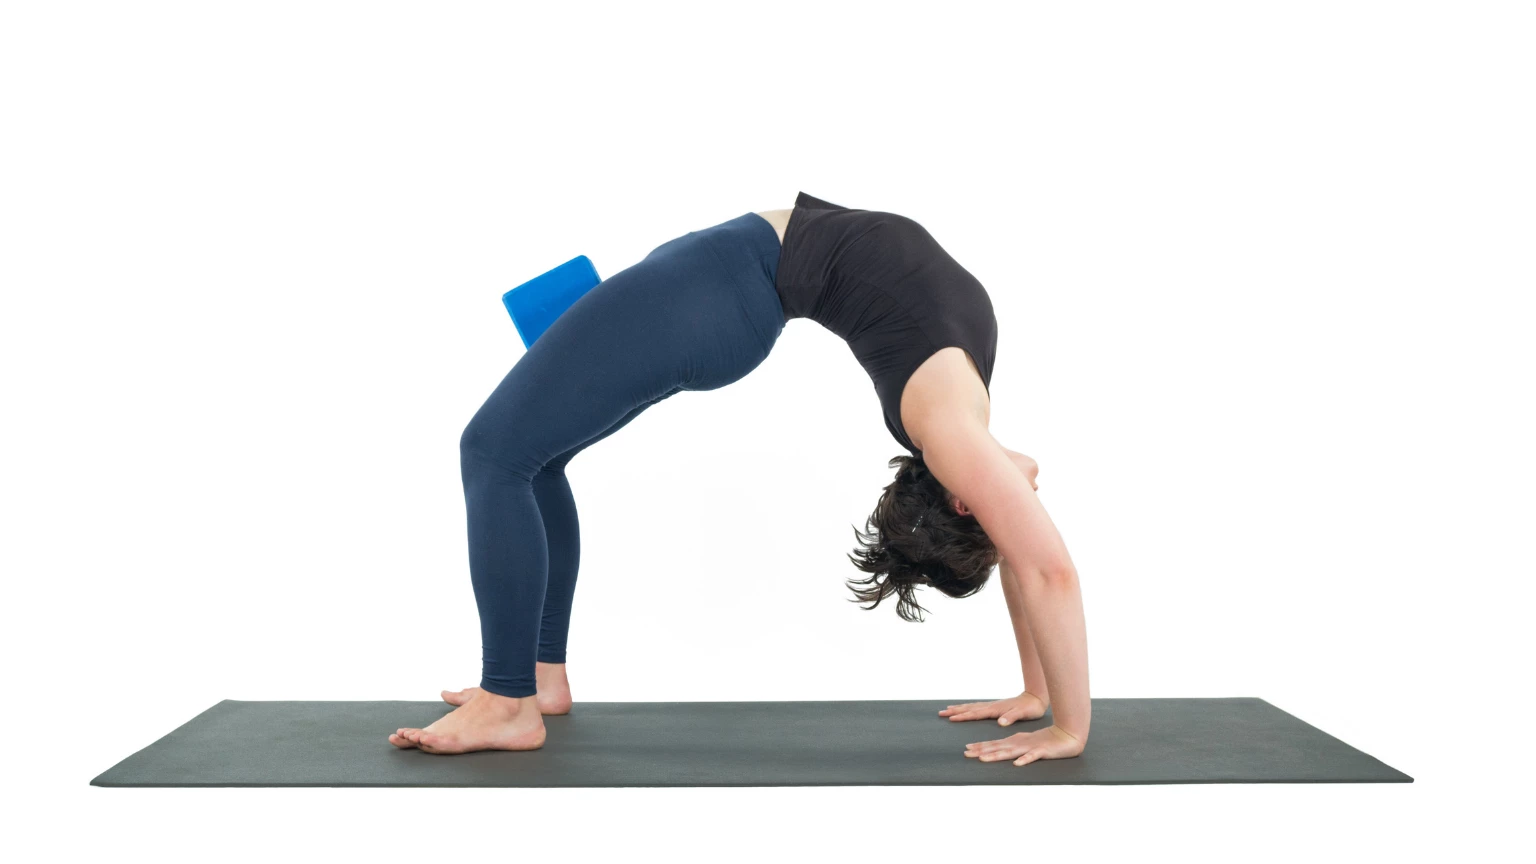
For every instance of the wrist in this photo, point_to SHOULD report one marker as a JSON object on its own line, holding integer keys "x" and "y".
{"x": 1080, "y": 737}
{"x": 1043, "y": 698}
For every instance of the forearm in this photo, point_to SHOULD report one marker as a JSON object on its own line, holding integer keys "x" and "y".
{"x": 1053, "y": 605}
{"x": 972, "y": 465}
{"x": 1029, "y": 657}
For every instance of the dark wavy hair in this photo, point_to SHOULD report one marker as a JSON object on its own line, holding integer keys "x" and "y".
{"x": 915, "y": 538}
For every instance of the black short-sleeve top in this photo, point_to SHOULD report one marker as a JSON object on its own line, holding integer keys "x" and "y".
{"x": 882, "y": 283}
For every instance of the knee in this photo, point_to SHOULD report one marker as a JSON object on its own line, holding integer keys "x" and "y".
{"x": 497, "y": 449}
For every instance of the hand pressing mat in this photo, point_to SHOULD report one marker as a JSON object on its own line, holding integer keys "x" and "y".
{"x": 864, "y": 743}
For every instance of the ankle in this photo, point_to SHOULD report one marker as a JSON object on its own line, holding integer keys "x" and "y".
{"x": 510, "y": 704}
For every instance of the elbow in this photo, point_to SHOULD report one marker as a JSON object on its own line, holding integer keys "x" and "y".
{"x": 1064, "y": 577}
{"x": 1052, "y": 575}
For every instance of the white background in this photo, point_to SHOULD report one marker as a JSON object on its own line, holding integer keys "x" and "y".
{"x": 1262, "y": 274}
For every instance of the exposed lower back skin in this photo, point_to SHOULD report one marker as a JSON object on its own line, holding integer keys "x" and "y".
{"x": 779, "y": 219}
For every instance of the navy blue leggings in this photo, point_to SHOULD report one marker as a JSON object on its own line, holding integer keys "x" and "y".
{"x": 697, "y": 313}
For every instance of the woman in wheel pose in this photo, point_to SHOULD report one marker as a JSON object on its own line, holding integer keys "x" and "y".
{"x": 700, "y": 312}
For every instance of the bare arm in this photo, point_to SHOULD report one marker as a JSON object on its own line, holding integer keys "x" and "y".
{"x": 979, "y": 471}
{"x": 1029, "y": 655}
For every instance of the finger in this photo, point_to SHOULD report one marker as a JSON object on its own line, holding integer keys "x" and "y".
{"x": 1002, "y": 753}
{"x": 959, "y": 706}
{"x": 990, "y": 742}
{"x": 1027, "y": 758}
{"x": 1015, "y": 714}
{"x": 977, "y": 714}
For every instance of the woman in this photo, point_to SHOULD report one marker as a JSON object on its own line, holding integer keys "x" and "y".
{"x": 698, "y": 313}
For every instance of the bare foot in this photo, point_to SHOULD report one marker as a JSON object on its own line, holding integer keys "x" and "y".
{"x": 485, "y": 722}
{"x": 554, "y": 695}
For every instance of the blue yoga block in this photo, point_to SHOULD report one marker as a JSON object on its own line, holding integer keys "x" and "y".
{"x": 535, "y": 304}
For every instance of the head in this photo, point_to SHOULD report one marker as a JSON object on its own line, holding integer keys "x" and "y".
{"x": 920, "y": 534}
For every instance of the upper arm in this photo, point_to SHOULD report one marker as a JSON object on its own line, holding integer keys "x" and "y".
{"x": 980, "y": 472}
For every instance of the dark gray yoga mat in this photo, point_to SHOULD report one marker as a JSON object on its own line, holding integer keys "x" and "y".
{"x": 868, "y": 743}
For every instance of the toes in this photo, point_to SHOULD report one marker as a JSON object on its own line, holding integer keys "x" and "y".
{"x": 459, "y": 697}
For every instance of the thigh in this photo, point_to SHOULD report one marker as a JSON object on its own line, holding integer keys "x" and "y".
{"x": 635, "y": 339}
{"x": 559, "y": 462}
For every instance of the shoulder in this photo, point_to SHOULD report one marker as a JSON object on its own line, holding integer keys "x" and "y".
{"x": 943, "y": 387}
